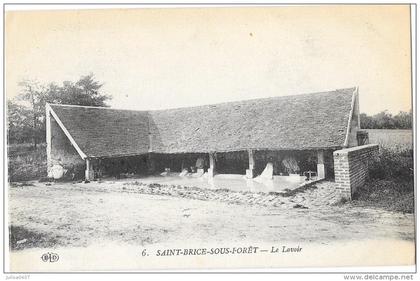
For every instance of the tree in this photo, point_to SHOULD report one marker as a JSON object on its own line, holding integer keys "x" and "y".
{"x": 18, "y": 121}
{"x": 366, "y": 122}
{"x": 86, "y": 91}
{"x": 404, "y": 120}
{"x": 34, "y": 94}
{"x": 28, "y": 119}
{"x": 385, "y": 120}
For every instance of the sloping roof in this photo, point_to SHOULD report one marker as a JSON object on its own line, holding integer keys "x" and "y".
{"x": 290, "y": 122}
{"x": 104, "y": 132}
{"x": 308, "y": 121}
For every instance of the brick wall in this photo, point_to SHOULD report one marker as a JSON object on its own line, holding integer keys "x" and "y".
{"x": 351, "y": 167}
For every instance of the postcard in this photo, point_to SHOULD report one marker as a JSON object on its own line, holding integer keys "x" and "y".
{"x": 209, "y": 138}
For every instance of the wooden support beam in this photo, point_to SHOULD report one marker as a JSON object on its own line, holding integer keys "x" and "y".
{"x": 251, "y": 163}
{"x": 48, "y": 138}
{"x": 212, "y": 161}
{"x": 320, "y": 166}
{"x": 251, "y": 160}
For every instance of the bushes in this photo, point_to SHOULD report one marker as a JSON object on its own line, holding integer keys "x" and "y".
{"x": 27, "y": 163}
{"x": 391, "y": 184}
{"x": 393, "y": 165}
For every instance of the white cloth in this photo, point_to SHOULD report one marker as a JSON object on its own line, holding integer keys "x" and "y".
{"x": 268, "y": 172}
{"x": 183, "y": 173}
{"x": 199, "y": 173}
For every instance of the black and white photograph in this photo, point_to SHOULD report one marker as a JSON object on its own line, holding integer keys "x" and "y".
{"x": 216, "y": 138}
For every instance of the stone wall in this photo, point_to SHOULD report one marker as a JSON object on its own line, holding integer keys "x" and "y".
{"x": 351, "y": 167}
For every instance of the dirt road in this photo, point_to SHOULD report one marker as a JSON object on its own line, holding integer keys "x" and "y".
{"x": 108, "y": 226}
{"x": 79, "y": 214}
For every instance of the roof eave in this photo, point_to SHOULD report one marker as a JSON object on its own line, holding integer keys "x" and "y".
{"x": 353, "y": 102}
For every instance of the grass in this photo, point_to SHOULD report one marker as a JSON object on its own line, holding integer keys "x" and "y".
{"x": 391, "y": 184}
{"x": 391, "y": 172}
{"x": 22, "y": 238}
{"x": 393, "y": 165}
{"x": 26, "y": 163}
{"x": 390, "y": 195}
{"x": 397, "y": 140}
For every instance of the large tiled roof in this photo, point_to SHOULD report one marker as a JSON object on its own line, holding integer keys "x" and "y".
{"x": 308, "y": 121}
{"x": 102, "y": 132}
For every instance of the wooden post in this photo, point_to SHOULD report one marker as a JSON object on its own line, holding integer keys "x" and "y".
{"x": 89, "y": 174}
{"x": 250, "y": 170}
{"x": 212, "y": 169}
{"x": 320, "y": 166}
{"x": 48, "y": 137}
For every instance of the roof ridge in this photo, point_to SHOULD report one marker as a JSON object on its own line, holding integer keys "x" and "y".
{"x": 352, "y": 89}
{"x": 211, "y": 104}
{"x": 96, "y": 107}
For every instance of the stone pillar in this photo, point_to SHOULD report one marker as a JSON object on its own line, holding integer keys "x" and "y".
{"x": 250, "y": 170}
{"x": 320, "y": 168}
{"x": 89, "y": 173}
{"x": 212, "y": 161}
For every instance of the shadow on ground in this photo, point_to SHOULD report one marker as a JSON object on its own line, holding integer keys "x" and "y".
{"x": 22, "y": 238}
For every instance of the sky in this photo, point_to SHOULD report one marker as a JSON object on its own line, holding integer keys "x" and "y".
{"x": 167, "y": 58}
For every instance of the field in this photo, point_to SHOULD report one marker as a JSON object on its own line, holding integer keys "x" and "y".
{"x": 392, "y": 139}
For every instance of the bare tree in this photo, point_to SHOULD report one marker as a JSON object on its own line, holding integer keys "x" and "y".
{"x": 34, "y": 94}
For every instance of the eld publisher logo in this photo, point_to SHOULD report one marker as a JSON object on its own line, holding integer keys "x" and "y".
{"x": 50, "y": 257}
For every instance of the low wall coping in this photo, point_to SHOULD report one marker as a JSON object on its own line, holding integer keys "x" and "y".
{"x": 355, "y": 148}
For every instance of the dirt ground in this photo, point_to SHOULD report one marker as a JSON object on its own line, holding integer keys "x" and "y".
{"x": 109, "y": 226}
{"x": 77, "y": 215}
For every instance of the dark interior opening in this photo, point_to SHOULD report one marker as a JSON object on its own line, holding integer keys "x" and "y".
{"x": 286, "y": 162}
{"x": 232, "y": 162}
{"x": 236, "y": 162}
{"x": 136, "y": 165}
{"x": 177, "y": 162}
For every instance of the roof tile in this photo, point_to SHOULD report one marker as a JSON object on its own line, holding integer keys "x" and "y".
{"x": 308, "y": 121}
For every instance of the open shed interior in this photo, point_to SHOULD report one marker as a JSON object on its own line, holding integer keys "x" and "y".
{"x": 176, "y": 162}
{"x": 232, "y": 162}
{"x": 237, "y": 162}
{"x": 136, "y": 165}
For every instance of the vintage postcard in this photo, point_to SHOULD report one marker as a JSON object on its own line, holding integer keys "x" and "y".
{"x": 209, "y": 138}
